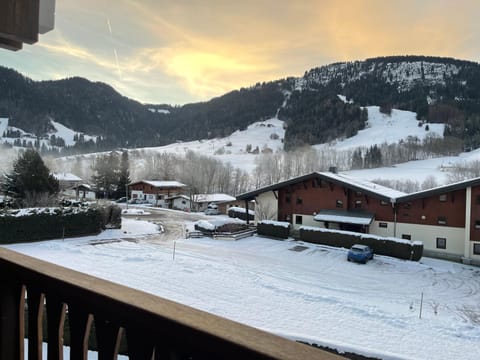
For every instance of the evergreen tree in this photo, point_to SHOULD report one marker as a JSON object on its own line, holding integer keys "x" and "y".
{"x": 107, "y": 171}
{"x": 357, "y": 160}
{"x": 30, "y": 177}
{"x": 124, "y": 175}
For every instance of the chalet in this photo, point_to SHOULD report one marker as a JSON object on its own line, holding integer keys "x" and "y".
{"x": 179, "y": 202}
{"x": 221, "y": 201}
{"x": 199, "y": 202}
{"x": 67, "y": 181}
{"x": 155, "y": 192}
{"x": 446, "y": 219}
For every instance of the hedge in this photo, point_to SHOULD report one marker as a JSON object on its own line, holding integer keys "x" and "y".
{"x": 26, "y": 225}
{"x": 241, "y": 214}
{"x": 275, "y": 229}
{"x": 398, "y": 248}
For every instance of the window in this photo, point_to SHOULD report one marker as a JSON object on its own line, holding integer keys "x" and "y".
{"x": 287, "y": 199}
{"x": 184, "y": 202}
{"x": 382, "y": 225}
{"x": 443, "y": 197}
{"x": 477, "y": 201}
{"x": 407, "y": 236}
{"x": 407, "y": 205}
{"x": 358, "y": 193}
{"x": 476, "y": 249}
{"x": 339, "y": 203}
{"x": 358, "y": 204}
{"x": 477, "y": 224}
{"x": 442, "y": 220}
{"x": 299, "y": 201}
{"x": 298, "y": 219}
{"x": 441, "y": 243}
{"x": 159, "y": 197}
{"x": 383, "y": 202}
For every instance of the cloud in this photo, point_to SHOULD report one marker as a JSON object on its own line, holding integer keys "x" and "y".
{"x": 194, "y": 50}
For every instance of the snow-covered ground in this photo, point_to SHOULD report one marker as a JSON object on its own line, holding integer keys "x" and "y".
{"x": 313, "y": 295}
{"x": 67, "y": 134}
{"x": 232, "y": 149}
{"x": 419, "y": 170}
{"x": 389, "y": 129}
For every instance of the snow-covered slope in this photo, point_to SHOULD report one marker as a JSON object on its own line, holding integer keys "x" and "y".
{"x": 27, "y": 139}
{"x": 404, "y": 74}
{"x": 238, "y": 149}
{"x": 382, "y": 128}
{"x": 67, "y": 134}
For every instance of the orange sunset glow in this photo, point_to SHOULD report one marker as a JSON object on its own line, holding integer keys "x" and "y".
{"x": 186, "y": 51}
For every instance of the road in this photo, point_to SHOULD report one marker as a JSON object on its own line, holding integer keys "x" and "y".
{"x": 173, "y": 222}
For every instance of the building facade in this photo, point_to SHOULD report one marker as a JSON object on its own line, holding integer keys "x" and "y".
{"x": 155, "y": 192}
{"x": 446, "y": 219}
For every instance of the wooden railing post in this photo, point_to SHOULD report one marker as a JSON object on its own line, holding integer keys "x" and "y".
{"x": 35, "y": 301}
{"x": 55, "y": 323}
{"x": 12, "y": 317}
{"x": 109, "y": 335}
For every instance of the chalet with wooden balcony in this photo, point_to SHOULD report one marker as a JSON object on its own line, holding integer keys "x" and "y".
{"x": 155, "y": 192}
{"x": 446, "y": 219}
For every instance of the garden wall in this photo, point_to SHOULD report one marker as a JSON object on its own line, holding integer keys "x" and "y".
{"x": 399, "y": 248}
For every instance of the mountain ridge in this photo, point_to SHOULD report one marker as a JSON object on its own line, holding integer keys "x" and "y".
{"x": 444, "y": 90}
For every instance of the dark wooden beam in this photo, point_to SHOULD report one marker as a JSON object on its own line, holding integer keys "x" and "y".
{"x": 10, "y": 44}
{"x": 19, "y": 20}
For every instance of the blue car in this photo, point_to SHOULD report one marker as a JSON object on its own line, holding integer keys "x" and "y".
{"x": 360, "y": 253}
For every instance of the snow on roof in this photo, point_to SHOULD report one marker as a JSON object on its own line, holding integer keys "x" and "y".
{"x": 66, "y": 177}
{"x": 200, "y": 198}
{"x": 364, "y": 184}
{"x": 160, "y": 184}
{"x": 241, "y": 210}
{"x": 85, "y": 186}
{"x": 178, "y": 197}
{"x": 348, "y": 181}
{"x": 343, "y": 216}
{"x": 217, "y": 222}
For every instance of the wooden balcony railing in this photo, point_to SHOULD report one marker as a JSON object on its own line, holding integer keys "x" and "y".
{"x": 154, "y": 328}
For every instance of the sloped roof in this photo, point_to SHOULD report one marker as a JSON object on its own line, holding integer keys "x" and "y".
{"x": 66, "y": 177}
{"x": 440, "y": 190}
{"x": 346, "y": 217}
{"x": 355, "y": 184}
{"x": 200, "y": 198}
{"x": 160, "y": 184}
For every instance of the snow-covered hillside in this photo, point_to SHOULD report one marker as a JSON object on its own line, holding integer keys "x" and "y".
{"x": 390, "y": 129}
{"x": 26, "y": 139}
{"x": 240, "y": 148}
{"x": 404, "y": 74}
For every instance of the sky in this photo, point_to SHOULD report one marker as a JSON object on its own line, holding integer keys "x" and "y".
{"x": 177, "y": 52}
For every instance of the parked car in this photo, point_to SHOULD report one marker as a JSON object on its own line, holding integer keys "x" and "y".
{"x": 138, "y": 201}
{"x": 121, "y": 200}
{"x": 360, "y": 253}
{"x": 212, "y": 212}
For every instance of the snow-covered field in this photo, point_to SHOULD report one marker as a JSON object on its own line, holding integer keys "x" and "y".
{"x": 266, "y": 134}
{"x": 313, "y": 295}
{"x": 389, "y": 129}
